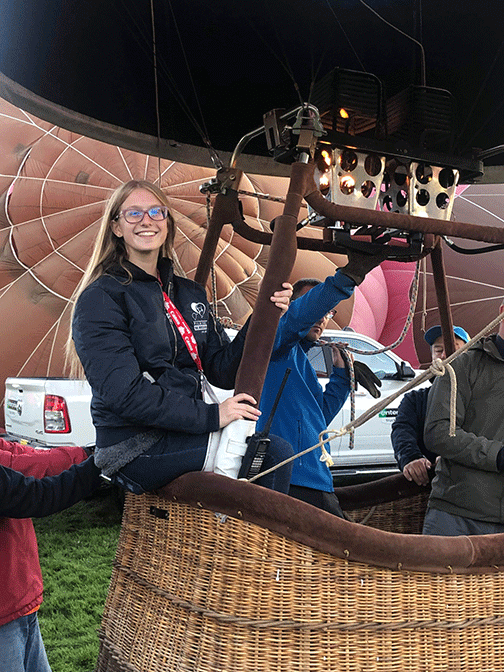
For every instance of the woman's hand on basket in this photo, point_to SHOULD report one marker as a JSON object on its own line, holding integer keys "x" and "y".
{"x": 238, "y": 407}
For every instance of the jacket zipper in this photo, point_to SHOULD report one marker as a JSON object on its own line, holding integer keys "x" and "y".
{"x": 170, "y": 322}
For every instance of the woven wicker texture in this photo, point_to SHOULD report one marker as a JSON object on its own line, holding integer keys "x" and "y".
{"x": 404, "y": 516}
{"x": 191, "y": 592}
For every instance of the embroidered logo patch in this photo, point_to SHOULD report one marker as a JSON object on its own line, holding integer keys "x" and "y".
{"x": 200, "y": 321}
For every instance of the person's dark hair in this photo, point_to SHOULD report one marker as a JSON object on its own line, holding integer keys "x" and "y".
{"x": 300, "y": 284}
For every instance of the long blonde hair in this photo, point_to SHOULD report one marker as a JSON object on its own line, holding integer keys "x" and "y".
{"x": 110, "y": 250}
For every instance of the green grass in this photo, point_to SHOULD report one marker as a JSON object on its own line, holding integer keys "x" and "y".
{"x": 76, "y": 549}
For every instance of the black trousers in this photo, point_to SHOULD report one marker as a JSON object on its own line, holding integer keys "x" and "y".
{"x": 327, "y": 501}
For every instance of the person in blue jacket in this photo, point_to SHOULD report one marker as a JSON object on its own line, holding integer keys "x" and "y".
{"x": 414, "y": 459}
{"x": 149, "y": 346}
{"x": 305, "y": 409}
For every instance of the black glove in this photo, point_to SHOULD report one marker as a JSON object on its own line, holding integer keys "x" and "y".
{"x": 360, "y": 263}
{"x": 365, "y": 377}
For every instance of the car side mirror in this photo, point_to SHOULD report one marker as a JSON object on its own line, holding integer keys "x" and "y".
{"x": 405, "y": 371}
{"x": 328, "y": 358}
{"x": 320, "y": 357}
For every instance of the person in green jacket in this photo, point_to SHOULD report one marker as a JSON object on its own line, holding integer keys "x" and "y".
{"x": 467, "y": 494}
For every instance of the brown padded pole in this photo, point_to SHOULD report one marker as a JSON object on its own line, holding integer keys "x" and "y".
{"x": 443, "y": 299}
{"x": 395, "y": 220}
{"x": 225, "y": 211}
{"x": 265, "y": 317}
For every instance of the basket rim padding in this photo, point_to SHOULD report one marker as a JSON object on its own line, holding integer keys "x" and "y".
{"x": 327, "y": 533}
{"x": 380, "y": 491}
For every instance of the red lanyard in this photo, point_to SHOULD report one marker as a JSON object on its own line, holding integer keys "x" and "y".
{"x": 184, "y": 329}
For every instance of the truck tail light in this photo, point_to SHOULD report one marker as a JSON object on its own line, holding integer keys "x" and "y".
{"x": 56, "y": 419}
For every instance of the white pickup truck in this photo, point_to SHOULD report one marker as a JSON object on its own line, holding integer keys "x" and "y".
{"x": 48, "y": 412}
{"x": 55, "y": 411}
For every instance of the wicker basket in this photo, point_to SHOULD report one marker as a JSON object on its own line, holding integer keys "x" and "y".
{"x": 272, "y": 584}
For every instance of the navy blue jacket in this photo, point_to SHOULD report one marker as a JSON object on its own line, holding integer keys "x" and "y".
{"x": 408, "y": 429}
{"x": 28, "y": 497}
{"x": 121, "y": 332}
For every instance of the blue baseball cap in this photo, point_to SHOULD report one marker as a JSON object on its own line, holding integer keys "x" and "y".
{"x": 435, "y": 332}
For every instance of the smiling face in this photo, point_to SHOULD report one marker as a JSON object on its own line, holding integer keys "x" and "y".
{"x": 143, "y": 239}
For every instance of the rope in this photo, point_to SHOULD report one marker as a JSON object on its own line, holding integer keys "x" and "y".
{"x": 266, "y": 197}
{"x": 424, "y": 293}
{"x": 409, "y": 319}
{"x": 437, "y": 368}
{"x": 351, "y": 374}
{"x": 156, "y": 91}
{"x": 366, "y": 518}
{"x": 327, "y": 435}
{"x": 212, "y": 268}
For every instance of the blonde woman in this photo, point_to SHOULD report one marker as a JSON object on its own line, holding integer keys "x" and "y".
{"x": 148, "y": 343}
